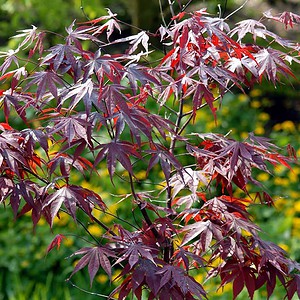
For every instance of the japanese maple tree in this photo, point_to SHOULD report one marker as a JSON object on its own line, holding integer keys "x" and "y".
{"x": 130, "y": 111}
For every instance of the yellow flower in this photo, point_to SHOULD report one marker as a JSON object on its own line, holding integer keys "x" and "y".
{"x": 115, "y": 274}
{"x": 296, "y": 170}
{"x": 288, "y": 126}
{"x": 280, "y": 202}
{"x": 289, "y": 212}
{"x": 97, "y": 213}
{"x": 255, "y": 104}
{"x": 62, "y": 220}
{"x": 75, "y": 262}
{"x": 293, "y": 177}
{"x": 217, "y": 262}
{"x": 294, "y": 194}
{"x": 296, "y": 233}
{"x": 107, "y": 218}
{"x": 296, "y": 227}
{"x": 68, "y": 242}
{"x": 279, "y": 169}
{"x": 243, "y": 98}
{"x": 263, "y": 116}
{"x": 259, "y": 130}
{"x": 211, "y": 125}
{"x": 297, "y": 206}
{"x": 263, "y": 177}
{"x": 277, "y": 127}
{"x": 187, "y": 108}
{"x": 246, "y": 233}
{"x": 95, "y": 230}
{"x": 244, "y": 135}
{"x": 42, "y": 221}
{"x": 255, "y": 93}
{"x": 225, "y": 110}
{"x": 103, "y": 172}
{"x": 296, "y": 223}
{"x": 281, "y": 181}
{"x": 101, "y": 278}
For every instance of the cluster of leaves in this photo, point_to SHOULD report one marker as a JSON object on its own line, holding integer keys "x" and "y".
{"x": 119, "y": 109}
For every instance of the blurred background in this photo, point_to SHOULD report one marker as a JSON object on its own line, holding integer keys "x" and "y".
{"x": 26, "y": 272}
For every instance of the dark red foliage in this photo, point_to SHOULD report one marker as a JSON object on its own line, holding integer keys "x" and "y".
{"x": 96, "y": 107}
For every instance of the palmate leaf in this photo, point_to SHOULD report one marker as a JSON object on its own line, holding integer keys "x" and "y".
{"x": 230, "y": 161}
{"x": 117, "y": 151}
{"x": 94, "y": 258}
{"x": 110, "y": 26}
{"x": 133, "y": 252}
{"x": 19, "y": 101}
{"x": 104, "y": 65}
{"x": 45, "y": 80}
{"x": 65, "y": 162}
{"x": 207, "y": 231}
{"x": 165, "y": 158}
{"x": 71, "y": 128}
{"x": 174, "y": 277}
{"x": 72, "y": 197}
{"x": 287, "y": 18}
{"x": 187, "y": 179}
{"x": 28, "y": 35}
{"x": 61, "y": 54}
{"x": 77, "y": 92}
{"x": 6, "y": 187}
{"x": 255, "y": 28}
{"x": 32, "y": 137}
{"x": 80, "y": 33}
{"x": 135, "y": 41}
{"x": 271, "y": 63}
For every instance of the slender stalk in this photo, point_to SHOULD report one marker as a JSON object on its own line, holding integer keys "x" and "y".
{"x": 177, "y": 125}
{"x": 172, "y": 10}
{"x": 162, "y": 13}
{"x": 83, "y": 11}
{"x": 239, "y": 8}
{"x": 143, "y": 210}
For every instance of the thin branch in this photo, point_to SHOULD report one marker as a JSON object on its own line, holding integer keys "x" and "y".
{"x": 83, "y": 11}
{"x": 85, "y": 228}
{"x": 239, "y": 8}
{"x": 142, "y": 209}
{"x": 162, "y": 13}
{"x": 185, "y": 6}
{"x": 171, "y": 9}
{"x": 103, "y": 225}
{"x": 88, "y": 292}
{"x": 121, "y": 219}
{"x": 177, "y": 125}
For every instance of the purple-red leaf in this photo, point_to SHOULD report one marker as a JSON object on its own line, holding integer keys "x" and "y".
{"x": 56, "y": 242}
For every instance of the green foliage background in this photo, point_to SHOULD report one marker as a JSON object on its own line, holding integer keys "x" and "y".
{"x": 25, "y": 270}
